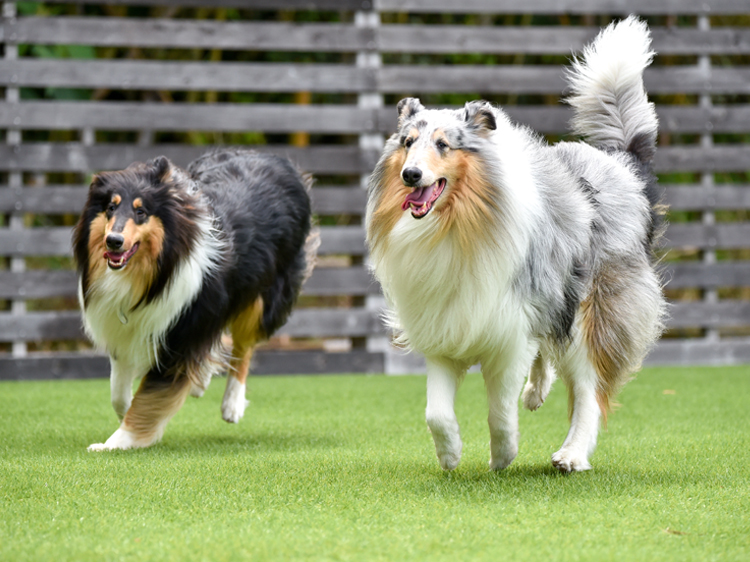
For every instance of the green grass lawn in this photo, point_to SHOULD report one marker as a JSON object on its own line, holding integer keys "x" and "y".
{"x": 343, "y": 468}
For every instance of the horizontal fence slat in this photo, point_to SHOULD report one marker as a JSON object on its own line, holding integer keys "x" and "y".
{"x": 76, "y": 157}
{"x": 48, "y": 200}
{"x": 580, "y": 7}
{"x": 355, "y": 281}
{"x": 37, "y": 284}
{"x": 717, "y": 236}
{"x": 190, "y": 34}
{"x": 284, "y": 118}
{"x": 334, "y": 37}
{"x": 265, "y": 362}
{"x": 306, "y": 5}
{"x": 36, "y": 326}
{"x": 543, "y": 79}
{"x": 230, "y": 117}
{"x": 56, "y": 241}
{"x": 562, "y": 40}
{"x": 700, "y": 314}
{"x": 727, "y": 351}
{"x": 120, "y": 74}
{"x": 339, "y": 200}
{"x": 705, "y": 275}
{"x": 717, "y": 158}
{"x": 696, "y": 197}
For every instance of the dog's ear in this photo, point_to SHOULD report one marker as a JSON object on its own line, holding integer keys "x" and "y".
{"x": 479, "y": 115}
{"x": 161, "y": 167}
{"x": 406, "y": 108}
{"x": 97, "y": 181}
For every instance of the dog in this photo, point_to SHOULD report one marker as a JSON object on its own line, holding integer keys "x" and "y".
{"x": 169, "y": 260}
{"x": 494, "y": 247}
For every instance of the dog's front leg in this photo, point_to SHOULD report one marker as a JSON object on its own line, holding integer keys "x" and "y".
{"x": 158, "y": 398}
{"x": 443, "y": 379}
{"x": 121, "y": 386}
{"x": 504, "y": 383}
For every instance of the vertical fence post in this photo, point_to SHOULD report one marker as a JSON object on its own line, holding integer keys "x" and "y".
{"x": 708, "y": 218}
{"x": 371, "y": 140}
{"x": 15, "y": 179}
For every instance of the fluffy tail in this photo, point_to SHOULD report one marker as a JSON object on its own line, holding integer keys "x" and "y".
{"x": 611, "y": 108}
{"x": 312, "y": 242}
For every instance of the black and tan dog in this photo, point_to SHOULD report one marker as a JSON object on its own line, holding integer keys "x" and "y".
{"x": 171, "y": 259}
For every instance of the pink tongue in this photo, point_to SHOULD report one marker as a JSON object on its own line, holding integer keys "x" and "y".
{"x": 419, "y": 196}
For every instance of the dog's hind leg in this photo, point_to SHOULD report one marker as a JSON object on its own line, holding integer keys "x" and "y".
{"x": 443, "y": 380}
{"x": 158, "y": 398}
{"x": 504, "y": 382}
{"x": 246, "y": 333}
{"x": 541, "y": 377}
{"x": 581, "y": 379}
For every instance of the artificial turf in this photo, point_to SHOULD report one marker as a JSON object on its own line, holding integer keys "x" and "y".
{"x": 343, "y": 468}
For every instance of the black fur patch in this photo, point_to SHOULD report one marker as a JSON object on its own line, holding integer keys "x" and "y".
{"x": 572, "y": 291}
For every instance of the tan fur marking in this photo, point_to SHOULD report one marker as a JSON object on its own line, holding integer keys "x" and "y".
{"x": 609, "y": 343}
{"x": 138, "y": 203}
{"x": 151, "y": 408}
{"x": 389, "y": 211}
{"x": 246, "y": 334}
{"x": 97, "y": 234}
{"x": 466, "y": 208}
{"x": 116, "y": 199}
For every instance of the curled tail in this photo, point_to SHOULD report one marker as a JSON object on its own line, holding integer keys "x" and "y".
{"x": 611, "y": 108}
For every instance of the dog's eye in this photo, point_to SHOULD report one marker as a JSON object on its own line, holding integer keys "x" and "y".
{"x": 140, "y": 213}
{"x": 441, "y": 145}
{"x": 408, "y": 142}
{"x": 111, "y": 208}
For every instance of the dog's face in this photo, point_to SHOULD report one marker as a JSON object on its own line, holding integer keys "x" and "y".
{"x": 127, "y": 230}
{"x": 439, "y": 151}
{"x": 138, "y": 223}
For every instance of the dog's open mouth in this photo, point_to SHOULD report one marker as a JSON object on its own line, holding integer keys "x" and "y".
{"x": 421, "y": 200}
{"x": 118, "y": 260}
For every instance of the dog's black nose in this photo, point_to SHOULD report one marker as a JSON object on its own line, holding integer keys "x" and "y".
{"x": 411, "y": 176}
{"x": 115, "y": 241}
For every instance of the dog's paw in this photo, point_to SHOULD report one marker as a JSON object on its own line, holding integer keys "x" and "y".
{"x": 234, "y": 403}
{"x": 122, "y": 439}
{"x": 532, "y": 397}
{"x": 232, "y": 411}
{"x": 197, "y": 391}
{"x": 569, "y": 461}
{"x": 448, "y": 449}
{"x": 502, "y": 459}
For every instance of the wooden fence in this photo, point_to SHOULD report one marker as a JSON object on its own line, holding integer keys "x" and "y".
{"x": 91, "y": 86}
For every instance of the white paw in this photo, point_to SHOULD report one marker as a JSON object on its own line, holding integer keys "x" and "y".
{"x": 122, "y": 439}
{"x": 566, "y": 460}
{"x": 448, "y": 447}
{"x": 197, "y": 391}
{"x": 449, "y": 460}
{"x": 233, "y": 405}
{"x": 502, "y": 459}
{"x": 533, "y": 397}
{"x": 232, "y": 411}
